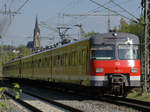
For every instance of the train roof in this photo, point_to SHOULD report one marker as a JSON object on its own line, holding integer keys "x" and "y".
{"x": 99, "y": 38}
{"x": 113, "y": 38}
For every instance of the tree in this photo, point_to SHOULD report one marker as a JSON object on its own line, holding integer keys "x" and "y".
{"x": 24, "y": 50}
{"x": 132, "y": 27}
{"x": 89, "y": 34}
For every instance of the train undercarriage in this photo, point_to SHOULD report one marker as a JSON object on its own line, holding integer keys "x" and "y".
{"x": 117, "y": 85}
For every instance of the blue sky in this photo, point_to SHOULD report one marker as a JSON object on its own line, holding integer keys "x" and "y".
{"x": 51, "y": 11}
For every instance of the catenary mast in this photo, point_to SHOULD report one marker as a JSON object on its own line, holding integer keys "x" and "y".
{"x": 146, "y": 42}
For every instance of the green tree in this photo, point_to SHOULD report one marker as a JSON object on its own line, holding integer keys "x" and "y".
{"x": 89, "y": 34}
{"x": 132, "y": 27}
{"x": 24, "y": 50}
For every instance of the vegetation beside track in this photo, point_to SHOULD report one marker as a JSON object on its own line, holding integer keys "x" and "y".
{"x": 8, "y": 52}
{"x": 138, "y": 96}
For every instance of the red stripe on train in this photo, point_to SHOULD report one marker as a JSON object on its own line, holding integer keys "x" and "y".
{"x": 115, "y": 66}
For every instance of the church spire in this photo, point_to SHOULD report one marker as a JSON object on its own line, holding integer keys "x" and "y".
{"x": 36, "y": 29}
{"x": 36, "y": 40}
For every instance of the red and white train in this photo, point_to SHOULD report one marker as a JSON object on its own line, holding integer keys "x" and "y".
{"x": 109, "y": 62}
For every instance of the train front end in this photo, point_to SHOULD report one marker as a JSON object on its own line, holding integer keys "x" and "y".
{"x": 115, "y": 62}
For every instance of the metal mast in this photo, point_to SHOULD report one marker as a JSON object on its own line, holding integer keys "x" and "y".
{"x": 146, "y": 56}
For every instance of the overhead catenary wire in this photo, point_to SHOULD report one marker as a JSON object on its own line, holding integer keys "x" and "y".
{"x": 84, "y": 17}
{"x": 124, "y": 2}
{"x": 110, "y": 10}
{"x": 22, "y": 5}
{"x": 124, "y": 9}
{"x": 99, "y": 7}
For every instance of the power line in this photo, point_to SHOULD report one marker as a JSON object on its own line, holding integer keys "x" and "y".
{"x": 124, "y": 2}
{"x": 123, "y": 9}
{"x": 109, "y": 9}
{"x": 22, "y": 5}
{"x": 99, "y": 7}
{"x": 93, "y": 10}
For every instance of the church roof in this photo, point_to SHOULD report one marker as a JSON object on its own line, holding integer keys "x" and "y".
{"x": 36, "y": 29}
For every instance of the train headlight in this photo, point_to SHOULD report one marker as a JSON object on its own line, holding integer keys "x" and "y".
{"x": 134, "y": 70}
{"x": 99, "y": 70}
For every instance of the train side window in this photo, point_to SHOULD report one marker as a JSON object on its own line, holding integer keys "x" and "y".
{"x": 58, "y": 61}
{"x": 54, "y": 60}
{"x": 76, "y": 58}
{"x": 69, "y": 59}
{"x": 29, "y": 63}
{"x": 61, "y": 59}
{"x": 66, "y": 59}
{"x": 39, "y": 62}
{"x": 46, "y": 61}
{"x": 42, "y": 61}
{"x": 84, "y": 56}
{"x": 80, "y": 57}
{"x": 73, "y": 59}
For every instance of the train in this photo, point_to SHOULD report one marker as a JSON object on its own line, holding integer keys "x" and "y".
{"x": 109, "y": 62}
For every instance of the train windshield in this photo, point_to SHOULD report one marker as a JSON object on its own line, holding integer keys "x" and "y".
{"x": 105, "y": 52}
{"x": 128, "y": 52}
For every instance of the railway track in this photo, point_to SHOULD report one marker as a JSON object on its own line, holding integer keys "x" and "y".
{"x": 119, "y": 101}
{"x": 131, "y": 103}
{"x": 124, "y": 103}
{"x": 26, "y": 105}
{"x": 54, "y": 106}
{"x": 66, "y": 107}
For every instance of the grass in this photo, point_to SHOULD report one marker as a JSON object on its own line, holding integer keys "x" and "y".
{"x": 136, "y": 95}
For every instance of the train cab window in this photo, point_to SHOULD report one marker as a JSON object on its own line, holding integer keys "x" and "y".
{"x": 103, "y": 52}
{"x": 128, "y": 52}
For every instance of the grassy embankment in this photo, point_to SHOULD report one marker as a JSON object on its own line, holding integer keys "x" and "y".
{"x": 136, "y": 95}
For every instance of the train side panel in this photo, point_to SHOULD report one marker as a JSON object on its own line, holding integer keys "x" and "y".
{"x": 42, "y": 66}
{"x": 26, "y": 68}
{"x": 11, "y": 69}
{"x": 70, "y": 64}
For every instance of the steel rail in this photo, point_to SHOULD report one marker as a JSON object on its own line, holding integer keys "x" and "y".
{"x": 26, "y": 105}
{"x": 66, "y": 107}
{"x": 132, "y": 103}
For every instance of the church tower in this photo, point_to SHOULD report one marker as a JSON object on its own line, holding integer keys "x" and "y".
{"x": 36, "y": 36}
